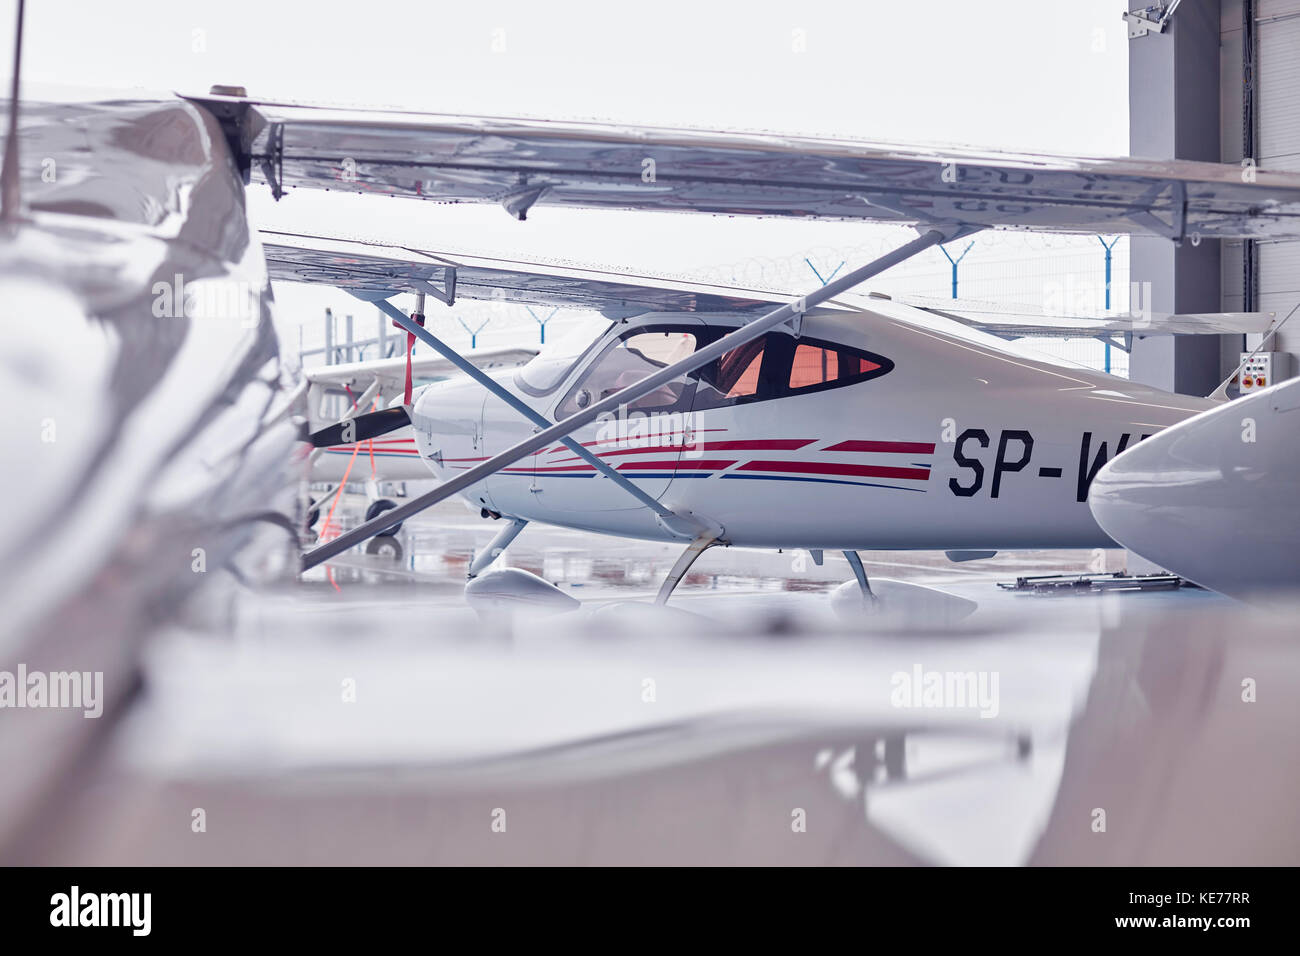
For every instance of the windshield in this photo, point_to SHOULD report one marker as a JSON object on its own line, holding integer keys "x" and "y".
{"x": 549, "y": 367}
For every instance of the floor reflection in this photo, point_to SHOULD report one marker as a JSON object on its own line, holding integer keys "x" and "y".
{"x": 698, "y": 733}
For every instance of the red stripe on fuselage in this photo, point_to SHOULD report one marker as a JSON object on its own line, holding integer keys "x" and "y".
{"x": 621, "y": 441}
{"x": 677, "y": 465}
{"x": 835, "y": 468}
{"x": 553, "y": 468}
{"x": 768, "y": 444}
{"x": 896, "y": 447}
{"x": 387, "y": 451}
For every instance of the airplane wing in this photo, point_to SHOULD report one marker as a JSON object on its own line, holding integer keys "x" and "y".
{"x": 1017, "y": 321}
{"x": 368, "y": 267}
{"x": 519, "y": 163}
{"x": 391, "y": 372}
{"x": 371, "y": 267}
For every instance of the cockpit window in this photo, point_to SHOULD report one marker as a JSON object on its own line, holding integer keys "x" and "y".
{"x": 628, "y": 361}
{"x": 550, "y": 366}
{"x": 772, "y": 366}
{"x": 742, "y": 375}
{"x": 776, "y": 365}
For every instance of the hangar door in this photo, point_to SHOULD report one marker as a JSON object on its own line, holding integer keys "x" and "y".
{"x": 1278, "y": 119}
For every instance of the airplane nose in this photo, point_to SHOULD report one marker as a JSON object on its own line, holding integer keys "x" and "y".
{"x": 1212, "y": 498}
{"x": 448, "y": 420}
{"x": 1130, "y": 500}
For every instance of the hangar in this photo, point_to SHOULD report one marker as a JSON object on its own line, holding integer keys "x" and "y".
{"x": 523, "y": 599}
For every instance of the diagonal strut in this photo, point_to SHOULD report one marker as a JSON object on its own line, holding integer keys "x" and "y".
{"x": 648, "y": 384}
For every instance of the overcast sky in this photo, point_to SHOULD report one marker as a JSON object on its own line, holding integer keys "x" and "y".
{"x": 1041, "y": 77}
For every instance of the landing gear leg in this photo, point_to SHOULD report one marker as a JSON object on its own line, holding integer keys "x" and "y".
{"x": 493, "y": 550}
{"x": 860, "y": 573}
{"x": 683, "y": 564}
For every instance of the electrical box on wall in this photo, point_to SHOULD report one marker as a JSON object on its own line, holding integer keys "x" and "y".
{"x": 1262, "y": 370}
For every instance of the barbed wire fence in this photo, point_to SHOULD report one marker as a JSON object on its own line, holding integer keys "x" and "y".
{"x": 1042, "y": 273}
{"x": 1054, "y": 274}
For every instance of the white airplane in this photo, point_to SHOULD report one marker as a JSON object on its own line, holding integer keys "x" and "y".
{"x": 368, "y": 385}
{"x": 697, "y": 413}
{"x": 875, "y": 425}
{"x": 376, "y": 385}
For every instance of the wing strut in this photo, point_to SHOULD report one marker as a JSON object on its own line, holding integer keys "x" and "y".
{"x": 561, "y": 430}
{"x": 10, "y": 175}
{"x": 415, "y": 330}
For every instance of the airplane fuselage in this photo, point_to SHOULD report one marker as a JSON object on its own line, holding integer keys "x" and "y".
{"x": 890, "y": 429}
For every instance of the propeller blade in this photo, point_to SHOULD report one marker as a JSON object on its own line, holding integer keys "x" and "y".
{"x": 360, "y": 428}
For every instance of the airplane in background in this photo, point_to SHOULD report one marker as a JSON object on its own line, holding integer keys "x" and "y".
{"x": 874, "y": 424}
{"x": 373, "y": 386}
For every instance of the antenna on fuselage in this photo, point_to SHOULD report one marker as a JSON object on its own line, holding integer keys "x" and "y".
{"x": 10, "y": 180}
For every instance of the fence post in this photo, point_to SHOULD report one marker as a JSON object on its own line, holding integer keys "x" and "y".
{"x": 955, "y": 263}
{"x": 542, "y": 322}
{"x": 1108, "y": 249}
{"x": 473, "y": 333}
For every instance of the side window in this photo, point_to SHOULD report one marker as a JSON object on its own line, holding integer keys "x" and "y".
{"x": 625, "y": 363}
{"x": 745, "y": 374}
{"x": 778, "y": 365}
{"x": 820, "y": 365}
{"x": 813, "y": 365}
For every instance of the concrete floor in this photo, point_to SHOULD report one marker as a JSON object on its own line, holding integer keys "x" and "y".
{"x": 365, "y": 716}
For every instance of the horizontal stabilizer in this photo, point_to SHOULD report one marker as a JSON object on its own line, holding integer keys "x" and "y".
{"x": 391, "y": 372}
{"x": 1013, "y": 320}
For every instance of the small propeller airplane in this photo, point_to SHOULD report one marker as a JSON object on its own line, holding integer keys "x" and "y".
{"x": 908, "y": 429}
{"x": 697, "y": 413}
{"x": 365, "y": 385}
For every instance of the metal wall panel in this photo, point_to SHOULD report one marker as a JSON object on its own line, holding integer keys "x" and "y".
{"x": 1279, "y": 86}
{"x": 1278, "y": 106}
